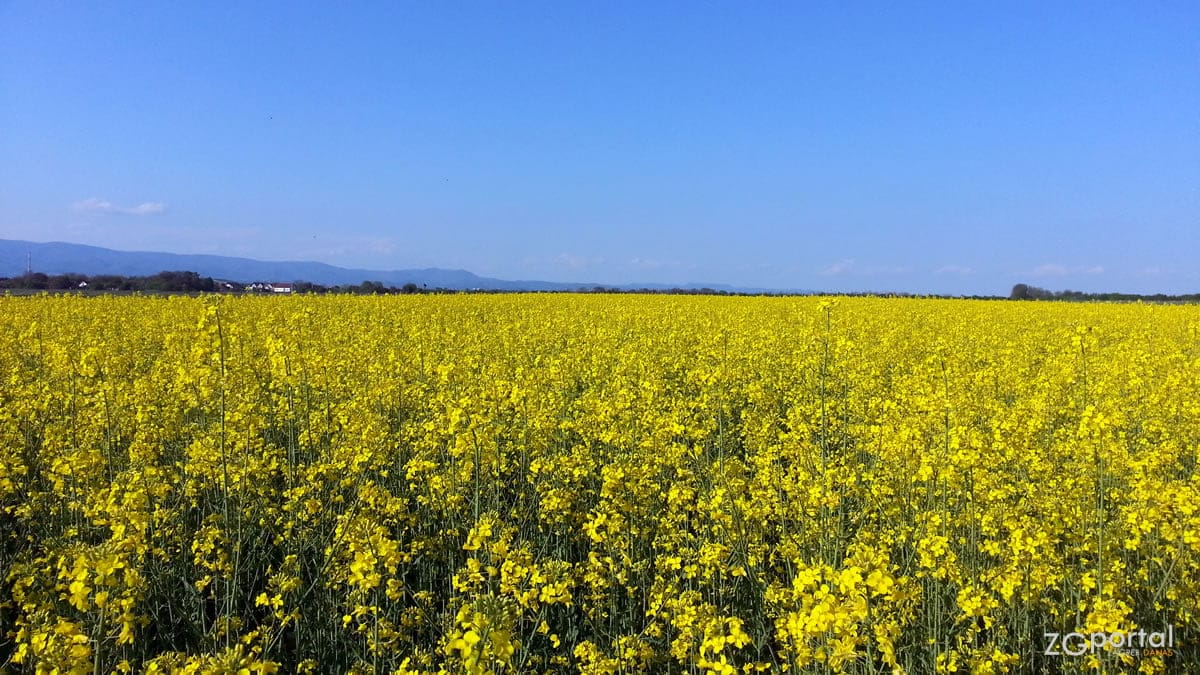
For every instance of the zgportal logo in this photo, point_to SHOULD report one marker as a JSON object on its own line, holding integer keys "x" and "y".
{"x": 1136, "y": 643}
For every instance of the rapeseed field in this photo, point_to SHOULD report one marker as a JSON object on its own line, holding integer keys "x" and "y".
{"x": 597, "y": 484}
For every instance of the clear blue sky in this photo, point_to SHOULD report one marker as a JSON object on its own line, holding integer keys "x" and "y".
{"x": 943, "y": 147}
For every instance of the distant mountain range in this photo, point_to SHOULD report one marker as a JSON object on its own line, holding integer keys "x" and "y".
{"x": 64, "y": 258}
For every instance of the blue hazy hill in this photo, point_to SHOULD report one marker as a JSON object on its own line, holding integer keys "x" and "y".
{"x": 65, "y": 258}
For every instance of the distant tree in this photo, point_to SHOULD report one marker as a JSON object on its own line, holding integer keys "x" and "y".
{"x": 37, "y": 280}
{"x": 60, "y": 282}
{"x": 369, "y": 288}
{"x": 107, "y": 282}
{"x": 1027, "y": 292}
{"x": 178, "y": 282}
{"x": 308, "y": 287}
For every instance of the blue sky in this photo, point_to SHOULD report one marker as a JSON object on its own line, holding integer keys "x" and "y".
{"x": 942, "y": 147}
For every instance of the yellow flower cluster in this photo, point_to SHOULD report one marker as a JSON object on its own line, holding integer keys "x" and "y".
{"x": 595, "y": 483}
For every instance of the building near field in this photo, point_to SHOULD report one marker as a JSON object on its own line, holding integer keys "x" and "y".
{"x": 270, "y": 287}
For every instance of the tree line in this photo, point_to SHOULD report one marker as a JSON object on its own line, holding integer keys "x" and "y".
{"x": 182, "y": 282}
{"x": 1027, "y": 292}
{"x": 192, "y": 282}
{"x": 186, "y": 282}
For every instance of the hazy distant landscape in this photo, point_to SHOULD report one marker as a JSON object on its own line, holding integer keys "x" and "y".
{"x": 18, "y": 257}
{"x": 90, "y": 269}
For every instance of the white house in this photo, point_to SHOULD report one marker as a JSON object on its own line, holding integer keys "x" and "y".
{"x": 269, "y": 287}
